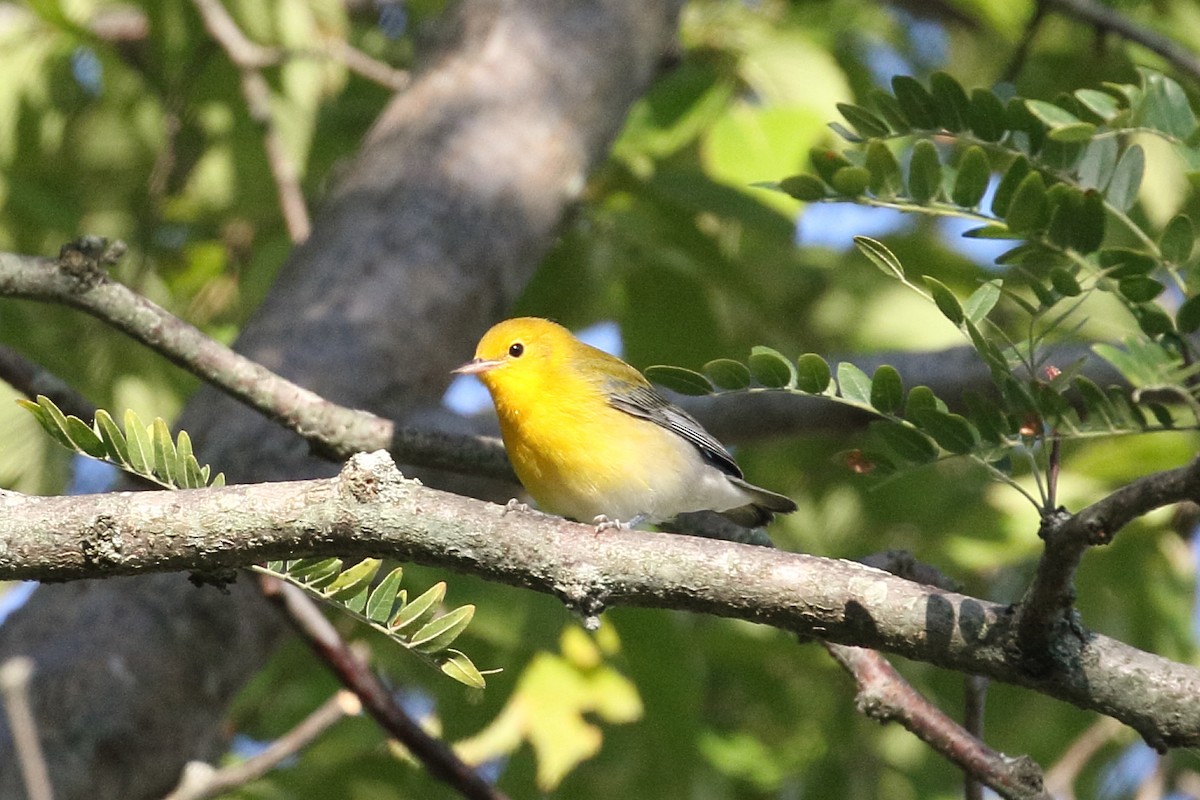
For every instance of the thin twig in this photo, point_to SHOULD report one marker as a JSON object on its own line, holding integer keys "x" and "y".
{"x": 1108, "y": 19}
{"x": 1043, "y": 613}
{"x": 364, "y": 65}
{"x": 1060, "y": 778}
{"x": 377, "y": 700}
{"x": 974, "y": 708}
{"x": 250, "y": 58}
{"x": 14, "y": 688}
{"x": 883, "y": 694}
{"x": 201, "y": 781}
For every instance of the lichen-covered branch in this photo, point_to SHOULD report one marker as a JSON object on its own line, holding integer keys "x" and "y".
{"x": 55, "y": 538}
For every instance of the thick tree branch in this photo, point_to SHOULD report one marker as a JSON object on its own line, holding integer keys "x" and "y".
{"x": 1043, "y": 619}
{"x": 56, "y": 538}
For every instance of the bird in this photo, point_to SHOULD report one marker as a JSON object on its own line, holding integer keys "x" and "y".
{"x": 590, "y": 439}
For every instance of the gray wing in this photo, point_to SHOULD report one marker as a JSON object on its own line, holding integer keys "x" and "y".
{"x": 646, "y": 403}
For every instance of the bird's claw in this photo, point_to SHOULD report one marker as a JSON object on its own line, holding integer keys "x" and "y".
{"x": 603, "y": 523}
{"x": 514, "y": 505}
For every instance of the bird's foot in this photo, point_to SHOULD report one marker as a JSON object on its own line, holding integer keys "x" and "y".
{"x": 603, "y": 523}
{"x": 514, "y": 505}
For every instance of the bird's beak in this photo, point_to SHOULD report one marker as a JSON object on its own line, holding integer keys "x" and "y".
{"x": 478, "y": 366}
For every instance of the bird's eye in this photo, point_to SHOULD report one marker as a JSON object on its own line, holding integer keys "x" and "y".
{"x": 516, "y": 349}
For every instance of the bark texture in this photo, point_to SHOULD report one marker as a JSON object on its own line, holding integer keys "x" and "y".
{"x": 427, "y": 238}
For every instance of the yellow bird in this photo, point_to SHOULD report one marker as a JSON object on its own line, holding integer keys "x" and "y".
{"x": 590, "y": 438}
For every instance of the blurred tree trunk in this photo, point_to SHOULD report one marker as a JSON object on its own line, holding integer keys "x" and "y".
{"x": 426, "y": 239}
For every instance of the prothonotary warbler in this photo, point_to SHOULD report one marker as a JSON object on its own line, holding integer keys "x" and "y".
{"x": 590, "y": 438}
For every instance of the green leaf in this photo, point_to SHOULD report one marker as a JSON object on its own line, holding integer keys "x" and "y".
{"x": 1178, "y": 239}
{"x": 950, "y": 100}
{"x": 1122, "y": 262}
{"x": 887, "y": 389}
{"x": 880, "y": 256}
{"x": 1095, "y": 401}
{"x": 924, "y": 172}
{"x": 771, "y": 368}
{"x": 889, "y": 109}
{"x": 1065, "y": 283}
{"x": 812, "y": 374}
{"x": 854, "y": 384}
{"x": 867, "y": 124}
{"x": 305, "y": 568}
{"x": 851, "y": 181}
{"x": 383, "y": 596}
{"x": 1097, "y": 163}
{"x": 141, "y": 448}
{"x": 982, "y": 301}
{"x": 678, "y": 379}
{"x": 1088, "y": 228}
{"x": 353, "y": 580}
{"x": 1165, "y": 106}
{"x": 1127, "y": 178}
{"x": 1102, "y": 104}
{"x": 845, "y": 133}
{"x": 326, "y": 576}
{"x": 952, "y": 432}
{"x": 1188, "y": 316}
{"x": 185, "y": 463}
{"x": 906, "y": 442}
{"x": 164, "y": 452}
{"x": 920, "y": 397}
{"x": 725, "y": 373}
{"x": 805, "y": 188}
{"x": 54, "y": 421}
{"x": 1139, "y": 288}
{"x": 84, "y": 438}
{"x": 915, "y": 102}
{"x": 114, "y": 440}
{"x": 826, "y": 162}
{"x": 420, "y": 608}
{"x": 945, "y": 300}
{"x": 990, "y": 232}
{"x": 441, "y": 632}
{"x": 1028, "y": 210}
{"x": 974, "y": 173}
{"x": 989, "y": 420}
{"x": 460, "y": 668}
{"x": 1064, "y": 126}
{"x": 1012, "y": 178}
{"x": 886, "y": 178}
{"x": 1152, "y": 320}
{"x": 986, "y": 116}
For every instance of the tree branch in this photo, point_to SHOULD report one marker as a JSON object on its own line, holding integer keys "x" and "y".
{"x": 78, "y": 278}
{"x": 380, "y": 703}
{"x": 1109, "y": 19}
{"x": 1043, "y": 618}
{"x": 200, "y": 781}
{"x": 250, "y": 58}
{"x": 884, "y": 695}
{"x": 56, "y": 538}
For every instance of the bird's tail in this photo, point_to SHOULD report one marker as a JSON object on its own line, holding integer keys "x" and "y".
{"x": 763, "y": 505}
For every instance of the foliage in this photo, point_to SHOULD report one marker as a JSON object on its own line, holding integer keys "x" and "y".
{"x": 148, "y": 452}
